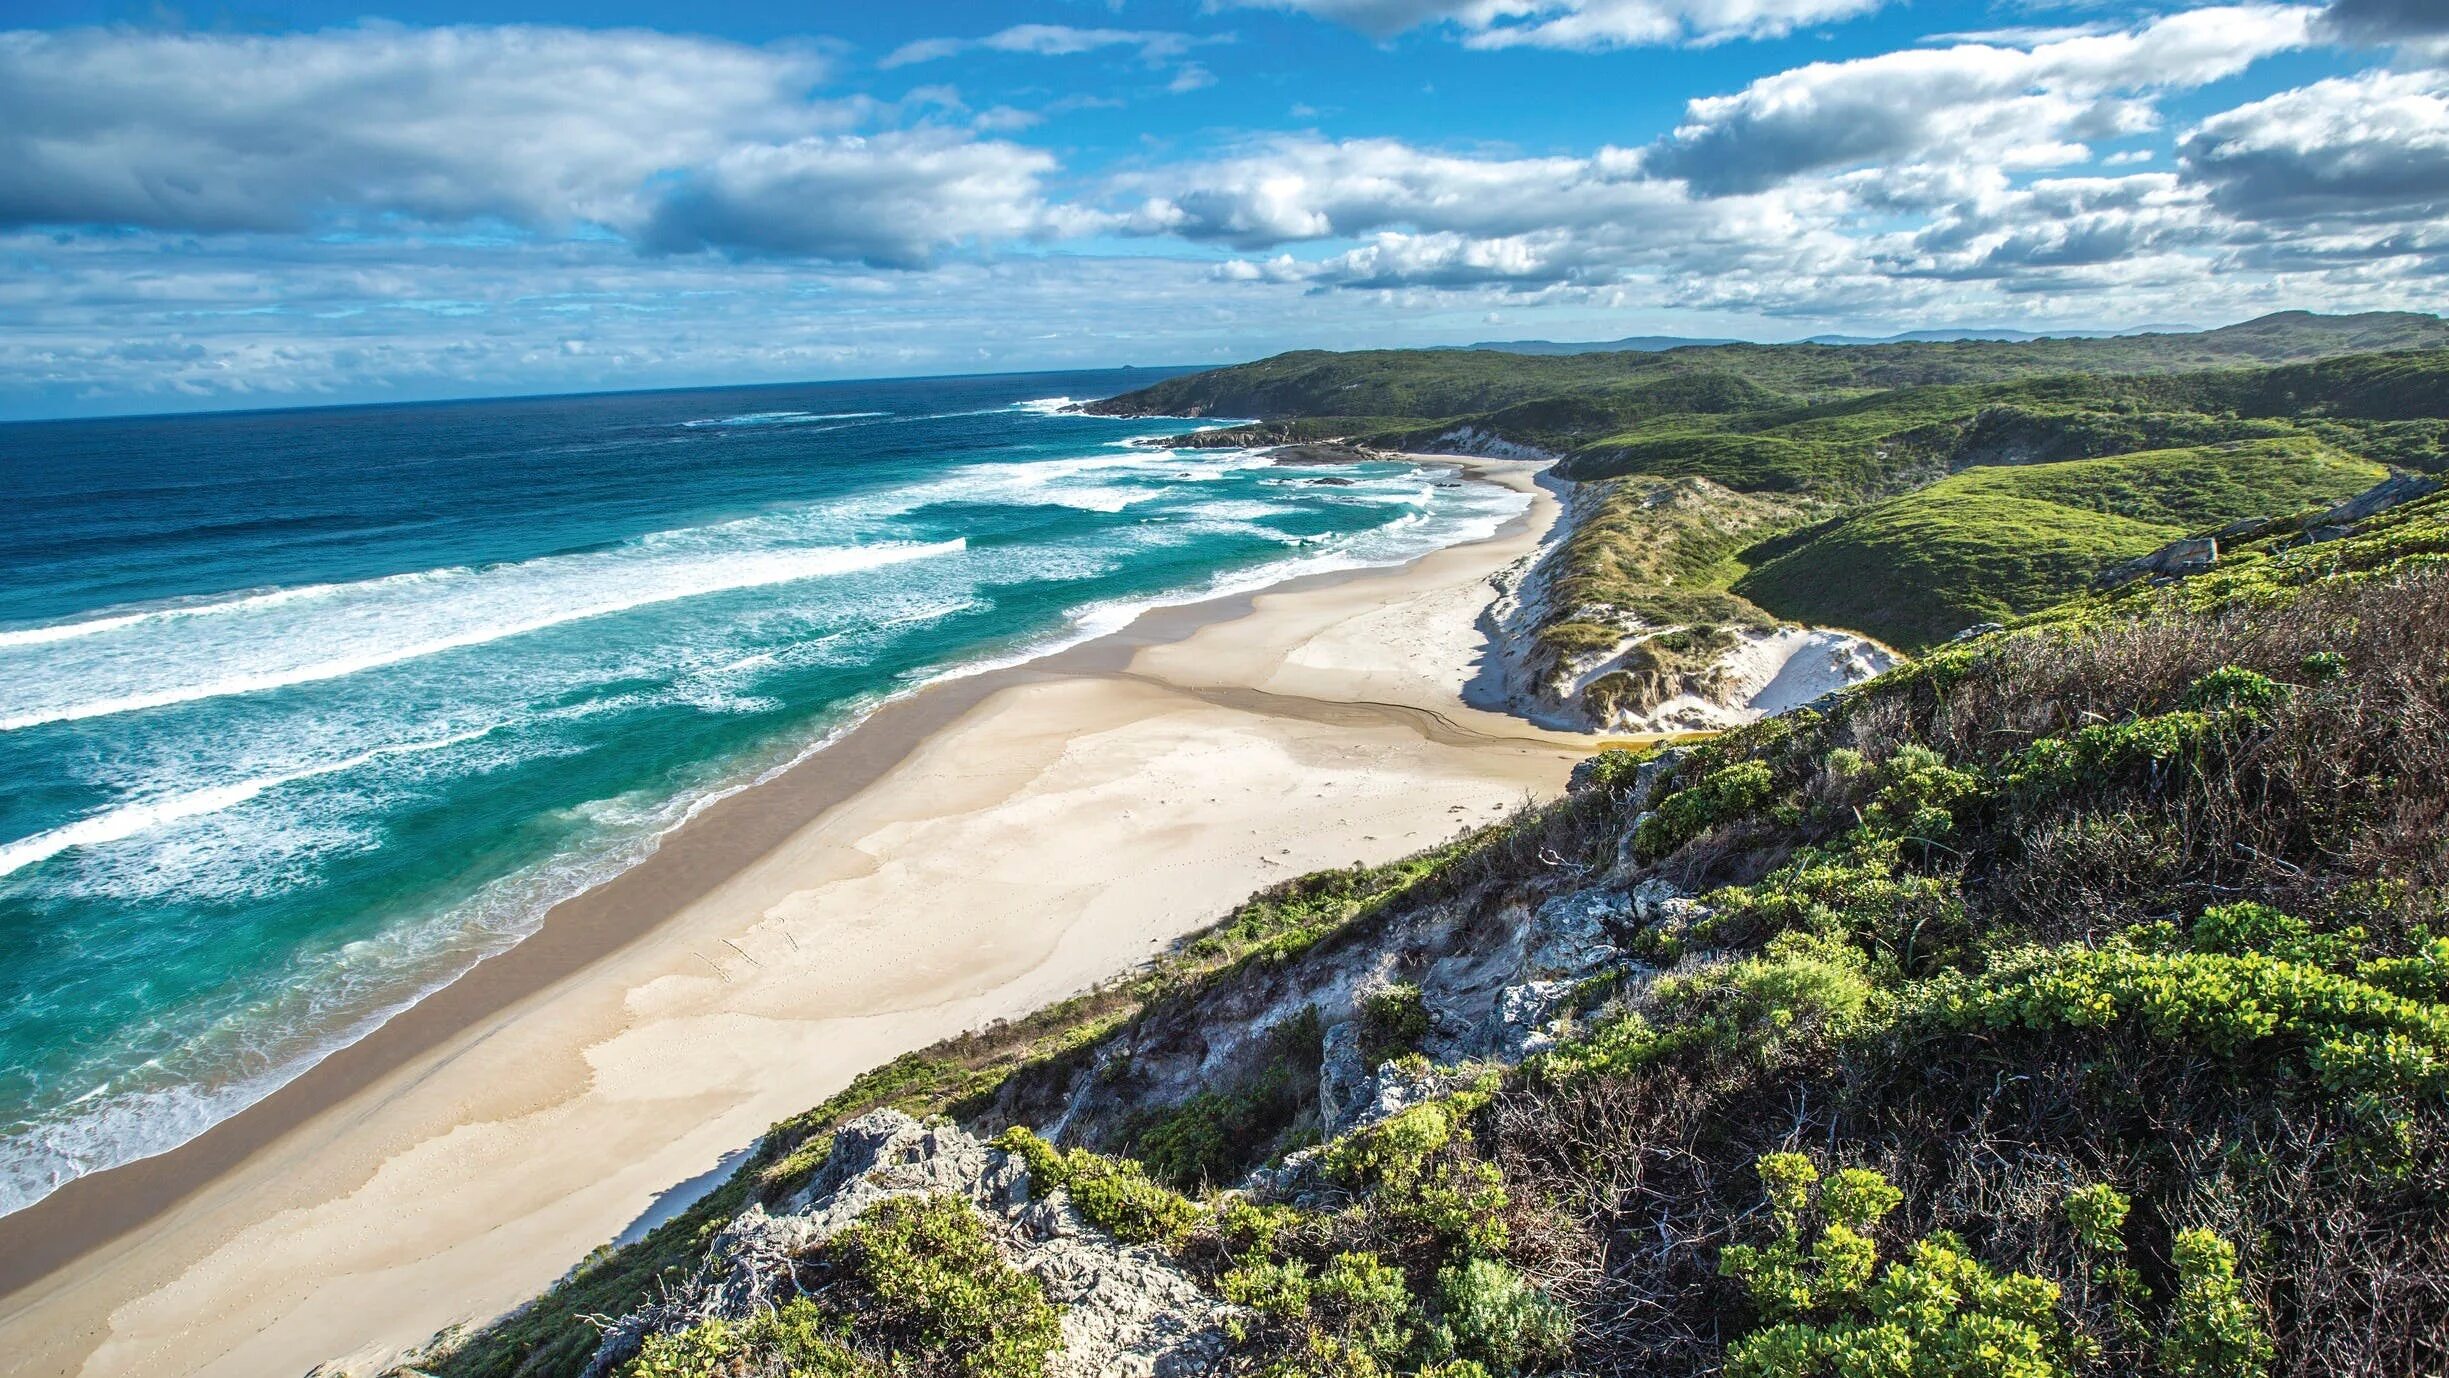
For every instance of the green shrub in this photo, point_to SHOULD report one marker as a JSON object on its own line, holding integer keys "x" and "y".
{"x": 1422, "y": 1181}
{"x": 1491, "y": 1315}
{"x": 1393, "y": 1021}
{"x": 2098, "y": 1213}
{"x": 796, "y": 1341}
{"x": 1115, "y": 1194}
{"x": 1720, "y": 797}
{"x": 941, "y": 1292}
{"x": 2350, "y": 1035}
{"x": 1614, "y": 768}
{"x": 1835, "y": 1311}
{"x": 2212, "y": 1329}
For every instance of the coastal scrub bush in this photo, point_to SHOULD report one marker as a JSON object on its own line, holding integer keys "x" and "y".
{"x": 1835, "y": 1311}
{"x": 1115, "y": 1194}
{"x": 1425, "y": 1186}
{"x": 2349, "y": 1035}
{"x": 794, "y": 1341}
{"x": 1491, "y": 1315}
{"x": 1354, "y": 1316}
{"x": 1720, "y": 797}
{"x": 2212, "y": 1332}
{"x": 940, "y": 1296}
{"x": 1393, "y": 1021}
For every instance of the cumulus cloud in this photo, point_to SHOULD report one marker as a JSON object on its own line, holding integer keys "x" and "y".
{"x": 2020, "y": 107}
{"x": 2389, "y": 21}
{"x": 677, "y": 141}
{"x": 889, "y": 201}
{"x": 1585, "y": 25}
{"x": 1302, "y": 188}
{"x": 2361, "y": 148}
{"x": 1048, "y": 40}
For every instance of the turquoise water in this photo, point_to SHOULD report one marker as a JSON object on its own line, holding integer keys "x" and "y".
{"x": 302, "y": 713}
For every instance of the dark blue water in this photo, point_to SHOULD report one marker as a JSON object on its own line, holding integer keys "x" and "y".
{"x": 301, "y": 713}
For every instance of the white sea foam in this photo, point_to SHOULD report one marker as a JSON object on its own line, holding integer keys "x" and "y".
{"x": 130, "y": 819}
{"x": 332, "y": 998}
{"x": 447, "y": 610}
{"x": 780, "y": 418}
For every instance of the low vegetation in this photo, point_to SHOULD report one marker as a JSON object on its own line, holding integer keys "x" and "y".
{"x": 2072, "y": 1001}
{"x": 1993, "y": 543}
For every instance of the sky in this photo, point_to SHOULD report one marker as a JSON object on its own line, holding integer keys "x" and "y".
{"x": 294, "y": 202}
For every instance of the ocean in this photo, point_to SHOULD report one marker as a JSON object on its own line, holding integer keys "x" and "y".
{"x": 303, "y": 713}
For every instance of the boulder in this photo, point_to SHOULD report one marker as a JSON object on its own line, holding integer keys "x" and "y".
{"x": 2192, "y": 555}
{"x": 2382, "y": 496}
{"x": 1127, "y": 1309}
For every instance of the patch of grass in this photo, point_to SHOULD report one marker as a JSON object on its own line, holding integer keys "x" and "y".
{"x": 1990, "y": 544}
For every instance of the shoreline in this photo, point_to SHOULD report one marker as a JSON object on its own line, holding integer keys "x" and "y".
{"x": 108, "y": 1270}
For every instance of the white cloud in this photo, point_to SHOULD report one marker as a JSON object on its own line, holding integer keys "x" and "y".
{"x": 2389, "y": 21}
{"x": 1049, "y": 40}
{"x": 1303, "y": 188}
{"x": 1979, "y": 104}
{"x": 1582, "y": 24}
{"x": 680, "y": 142}
{"x": 890, "y": 201}
{"x": 2367, "y": 147}
{"x": 223, "y": 132}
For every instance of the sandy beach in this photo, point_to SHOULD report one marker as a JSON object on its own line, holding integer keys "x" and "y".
{"x": 976, "y": 850}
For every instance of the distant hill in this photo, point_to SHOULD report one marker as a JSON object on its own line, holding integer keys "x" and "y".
{"x": 1652, "y": 344}
{"x": 1945, "y": 335}
{"x": 1599, "y": 394}
{"x": 1637, "y": 344}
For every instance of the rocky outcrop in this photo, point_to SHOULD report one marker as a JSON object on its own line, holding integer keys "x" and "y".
{"x": 1471, "y": 440}
{"x": 2382, "y": 496}
{"x": 2175, "y": 560}
{"x": 1127, "y": 1309}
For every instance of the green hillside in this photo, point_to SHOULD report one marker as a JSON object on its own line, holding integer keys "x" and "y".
{"x": 1452, "y": 383}
{"x": 2071, "y": 1004}
{"x": 1992, "y": 543}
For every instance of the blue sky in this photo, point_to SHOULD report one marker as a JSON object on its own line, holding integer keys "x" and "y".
{"x": 297, "y": 202}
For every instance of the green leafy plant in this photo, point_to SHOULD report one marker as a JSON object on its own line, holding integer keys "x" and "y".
{"x": 1492, "y": 1316}
{"x": 1834, "y": 1310}
{"x": 2213, "y": 1331}
{"x": 794, "y": 1341}
{"x": 940, "y": 1292}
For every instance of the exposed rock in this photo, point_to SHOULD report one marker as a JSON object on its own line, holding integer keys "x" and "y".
{"x": 1573, "y": 935}
{"x": 1397, "y": 1087}
{"x": 1343, "y": 1079}
{"x": 1978, "y": 629}
{"x": 1524, "y": 1013}
{"x": 1126, "y": 1308}
{"x": 1321, "y": 452}
{"x": 2381, "y": 497}
{"x": 1470, "y": 440}
{"x": 2192, "y": 555}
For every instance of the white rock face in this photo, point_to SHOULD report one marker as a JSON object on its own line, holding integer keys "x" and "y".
{"x": 1126, "y": 1309}
{"x": 1470, "y": 440}
{"x": 1762, "y": 674}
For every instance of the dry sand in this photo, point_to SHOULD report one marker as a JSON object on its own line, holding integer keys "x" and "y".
{"x": 980, "y": 849}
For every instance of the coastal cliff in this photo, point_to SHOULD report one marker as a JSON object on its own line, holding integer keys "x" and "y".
{"x": 2029, "y": 962}
{"x": 1898, "y": 997}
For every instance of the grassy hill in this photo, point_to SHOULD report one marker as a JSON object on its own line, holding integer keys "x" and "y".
{"x": 1991, "y": 543}
{"x": 2073, "y": 1003}
{"x": 1856, "y": 422}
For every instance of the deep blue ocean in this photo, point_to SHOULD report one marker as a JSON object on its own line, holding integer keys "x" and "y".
{"x": 302, "y": 713}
